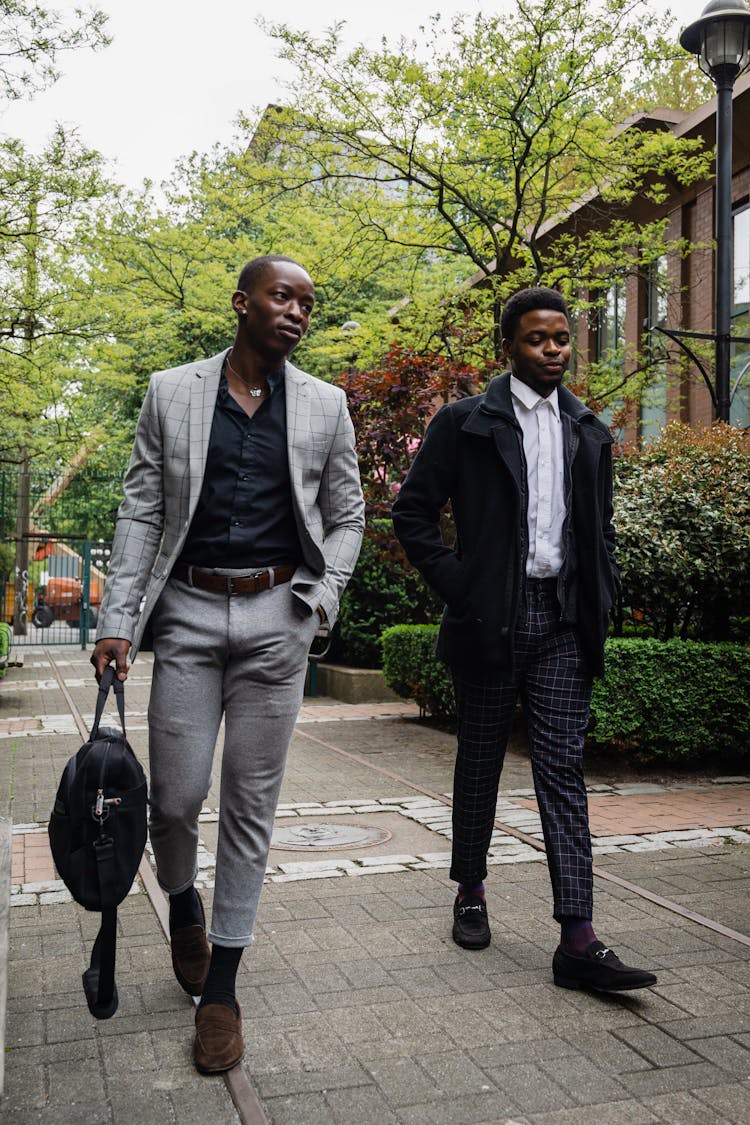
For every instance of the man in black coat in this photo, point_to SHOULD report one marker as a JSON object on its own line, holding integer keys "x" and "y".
{"x": 528, "y": 587}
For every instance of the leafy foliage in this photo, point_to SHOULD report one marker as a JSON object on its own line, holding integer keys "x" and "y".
{"x": 464, "y": 145}
{"x": 674, "y": 700}
{"x": 32, "y": 36}
{"x": 390, "y": 407}
{"x": 413, "y": 671}
{"x": 47, "y": 310}
{"x": 384, "y": 590}
{"x": 682, "y": 516}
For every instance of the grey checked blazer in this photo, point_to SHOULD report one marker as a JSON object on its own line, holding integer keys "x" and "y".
{"x": 165, "y": 475}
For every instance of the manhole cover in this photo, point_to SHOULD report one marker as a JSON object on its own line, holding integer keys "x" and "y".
{"x": 327, "y": 837}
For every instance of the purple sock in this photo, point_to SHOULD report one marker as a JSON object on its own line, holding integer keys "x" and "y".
{"x": 576, "y": 935}
{"x": 477, "y": 891}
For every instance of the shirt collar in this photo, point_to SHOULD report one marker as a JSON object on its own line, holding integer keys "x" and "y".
{"x": 529, "y": 398}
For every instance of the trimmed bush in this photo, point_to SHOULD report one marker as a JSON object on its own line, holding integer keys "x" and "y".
{"x": 682, "y": 517}
{"x": 412, "y": 670}
{"x": 675, "y": 700}
{"x": 669, "y": 700}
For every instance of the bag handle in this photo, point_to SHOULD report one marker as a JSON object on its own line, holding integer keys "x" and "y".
{"x": 108, "y": 681}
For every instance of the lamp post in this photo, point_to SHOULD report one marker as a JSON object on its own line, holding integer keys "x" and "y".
{"x": 721, "y": 40}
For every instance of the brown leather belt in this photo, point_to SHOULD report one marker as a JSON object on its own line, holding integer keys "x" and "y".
{"x": 224, "y": 584}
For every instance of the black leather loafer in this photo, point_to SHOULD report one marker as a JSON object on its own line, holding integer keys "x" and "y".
{"x": 471, "y": 927}
{"x": 599, "y": 968}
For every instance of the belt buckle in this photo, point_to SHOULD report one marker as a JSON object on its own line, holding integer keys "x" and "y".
{"x": 255, "y": 576}
{"x": 232, "y": 591}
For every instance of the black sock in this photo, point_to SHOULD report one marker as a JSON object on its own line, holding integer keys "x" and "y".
{"x": 222, "y": 974}
{"x": 185, "y": 910}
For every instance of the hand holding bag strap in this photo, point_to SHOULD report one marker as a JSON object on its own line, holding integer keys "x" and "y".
{"x": 108, "y": 681}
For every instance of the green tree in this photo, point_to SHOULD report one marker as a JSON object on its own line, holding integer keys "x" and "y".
{"x": 164, "y": 269}
{"x": 674, "y": 82}
{"x": 33, "y": 36}
{"x": 47, "y": 311}
{"x": 472, "y": 139}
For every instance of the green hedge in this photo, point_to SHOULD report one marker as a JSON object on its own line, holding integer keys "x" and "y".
{"x": 669, "y": 700}
{"x": 412, "y": 670}
{"x": 673, "y": 699}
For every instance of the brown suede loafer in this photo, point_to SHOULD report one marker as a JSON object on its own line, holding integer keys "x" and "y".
{"x": 191, "y": 955}
{"x": 218, "y": 1038}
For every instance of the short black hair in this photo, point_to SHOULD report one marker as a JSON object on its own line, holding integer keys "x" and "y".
{"x": 525, "y": 300}
{"x": 253, "y": 271}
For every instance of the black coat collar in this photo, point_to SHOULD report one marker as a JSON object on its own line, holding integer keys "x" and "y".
{"x": 496, "y": 404}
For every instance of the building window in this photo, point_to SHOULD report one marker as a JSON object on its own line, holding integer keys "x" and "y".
{"x": 654, "y": 397}
{"x": 739, "y": 371}
{"x": 609, "y": 339}
{"x": 610, "y": 323}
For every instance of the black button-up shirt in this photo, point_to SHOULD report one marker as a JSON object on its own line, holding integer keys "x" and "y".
{"x": 244, "y": 516}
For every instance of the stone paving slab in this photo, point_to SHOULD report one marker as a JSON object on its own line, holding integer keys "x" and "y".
{"x": 358, "y": 1006}
{"x": 491, "y": 1041}
{"x": 62, "y": 1065}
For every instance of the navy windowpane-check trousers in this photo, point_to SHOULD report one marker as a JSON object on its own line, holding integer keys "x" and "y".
{"x": 556, "y": 692}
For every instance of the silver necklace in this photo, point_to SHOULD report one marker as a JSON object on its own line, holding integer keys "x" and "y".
{"x": 254, "y": 392}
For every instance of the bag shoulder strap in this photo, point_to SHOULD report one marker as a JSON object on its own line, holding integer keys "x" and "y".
{"x": 109, "y": 680}
{"x": 99, "y": 979}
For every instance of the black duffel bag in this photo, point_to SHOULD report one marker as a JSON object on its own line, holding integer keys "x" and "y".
{"x": 97, "y": 834}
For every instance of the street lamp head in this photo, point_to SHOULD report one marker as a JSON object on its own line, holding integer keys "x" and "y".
{"x": 720, "y": 39}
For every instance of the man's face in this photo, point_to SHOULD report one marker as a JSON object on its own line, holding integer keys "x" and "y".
{"x": 539, "y": 353}
{"x": 274, "y": 314}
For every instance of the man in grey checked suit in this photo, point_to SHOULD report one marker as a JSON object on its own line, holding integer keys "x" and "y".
{"x": 240, "y": 526}
{"x": 528, "y": 587}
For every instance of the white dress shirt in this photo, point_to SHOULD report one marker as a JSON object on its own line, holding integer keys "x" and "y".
{"x": 539, "y": 419}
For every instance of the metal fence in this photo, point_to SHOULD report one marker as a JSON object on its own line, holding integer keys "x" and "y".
{"x": 55, "y": 533}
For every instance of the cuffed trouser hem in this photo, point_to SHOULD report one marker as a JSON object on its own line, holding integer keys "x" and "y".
{"x": 176, "y": 890}
{"x": 472, "y": 880}
{"x": 581, "y": 910}
{"x": 230, "y": 942}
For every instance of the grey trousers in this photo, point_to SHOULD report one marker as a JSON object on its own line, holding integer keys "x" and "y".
{"x": 242, "y": 657}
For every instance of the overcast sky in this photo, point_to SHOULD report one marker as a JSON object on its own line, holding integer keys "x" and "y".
{"x": 178, "y": 71}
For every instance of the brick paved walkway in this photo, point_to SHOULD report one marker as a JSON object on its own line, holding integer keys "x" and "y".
{"x": 667, "y": 810}
{"x": 357, "y": 1004}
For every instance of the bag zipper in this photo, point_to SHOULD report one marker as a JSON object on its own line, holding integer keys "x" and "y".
{"x": 98, "y": 812}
